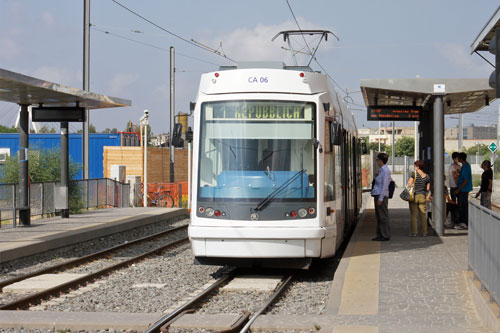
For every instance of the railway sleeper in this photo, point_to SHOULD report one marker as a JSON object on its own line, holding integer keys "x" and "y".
{"x": 221, "y": 322}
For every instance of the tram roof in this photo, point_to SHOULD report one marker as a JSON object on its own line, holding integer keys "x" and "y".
{"x": 266, "y": 64}
{"x": 22, "y": 89}
{"x": 460, "y": 95}
{"x": 483, "y": 39}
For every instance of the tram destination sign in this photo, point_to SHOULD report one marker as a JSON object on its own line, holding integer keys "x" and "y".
{"x": 259, "y": 111}
{"x": 400, "y": 113}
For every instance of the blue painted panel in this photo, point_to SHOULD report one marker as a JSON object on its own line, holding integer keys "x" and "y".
{"x": 47, "y": 141}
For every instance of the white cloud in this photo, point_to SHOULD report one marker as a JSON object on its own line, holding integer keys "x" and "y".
{"x": 57, "y": 75}
{"x": 459, "y": 56}
{"x": 121, "y": 81}
{"x": 48, "y": 18}
{"x": 256, "y": 45}
{"x": 8, "y": 49}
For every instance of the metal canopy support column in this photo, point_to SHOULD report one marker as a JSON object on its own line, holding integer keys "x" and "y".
{"x": 86, "y": 85}
{"x": 24, "y": 212}
{"x": 65, "y": 166}
{"x": 438, "y": 166}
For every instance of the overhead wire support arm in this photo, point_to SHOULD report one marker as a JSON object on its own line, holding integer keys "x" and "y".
{"x": 479, "y": 54}
{"x": 286, "y": 37}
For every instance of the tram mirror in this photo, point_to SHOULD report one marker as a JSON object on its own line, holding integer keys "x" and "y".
{"x": 364, "y": 149}
{"x": 326, "y": 107}
{"x": 192, "y": 105}
{"x": 335, "y": 133}
{"x": 177, "y": 140}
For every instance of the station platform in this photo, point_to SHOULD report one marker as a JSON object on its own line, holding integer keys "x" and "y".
{"x": 50, "y": 233}
{"x": 406, "y": 284}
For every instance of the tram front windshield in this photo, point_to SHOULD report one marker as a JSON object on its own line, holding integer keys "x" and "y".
{"x": 251, "y": 150}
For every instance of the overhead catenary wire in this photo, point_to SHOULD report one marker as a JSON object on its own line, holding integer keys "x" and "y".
{"x": 315, "y": 59}
{"x": 171, "y": 33}
{"x": 152, "y": 46}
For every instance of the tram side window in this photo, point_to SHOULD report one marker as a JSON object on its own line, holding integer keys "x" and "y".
{"x": 329, "y": 165}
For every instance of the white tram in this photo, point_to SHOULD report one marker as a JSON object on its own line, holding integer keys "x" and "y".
{"x": 276, "y": 171}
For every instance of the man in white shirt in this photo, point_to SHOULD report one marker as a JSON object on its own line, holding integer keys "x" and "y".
{"x": 454, "y": 172}
{"x": 380, "y": 193}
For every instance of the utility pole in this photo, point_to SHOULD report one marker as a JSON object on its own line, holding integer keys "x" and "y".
{"x": 144, "y": 123}
{"x": 379, "y": 136}
{"x": 393, "y": 145}
{"x": 172, "y": 111}
{"x": 86, "y": 86}
{"x": 417, "y": 142}
{"x": 460, "y": 132}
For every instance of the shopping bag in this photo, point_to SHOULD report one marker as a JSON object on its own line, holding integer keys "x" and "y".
{"x": 407, "y": 194}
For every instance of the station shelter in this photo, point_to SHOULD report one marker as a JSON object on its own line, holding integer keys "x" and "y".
{"x": 50, "y": 102}
{"x": 426, "y": 101}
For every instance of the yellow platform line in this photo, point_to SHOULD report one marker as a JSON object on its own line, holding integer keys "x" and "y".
{"x": 361, "y": 282}
{"x": 356, "y": 329}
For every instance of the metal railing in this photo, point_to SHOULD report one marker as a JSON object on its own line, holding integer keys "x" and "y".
{"x": 484, "y": 247}
{"x": 84, "y": 194}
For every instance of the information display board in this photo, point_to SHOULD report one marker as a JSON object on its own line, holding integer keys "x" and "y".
{"x": 57, "y": 114}
{"x": 399, "y": 113}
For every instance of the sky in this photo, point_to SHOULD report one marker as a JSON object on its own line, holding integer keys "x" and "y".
{"x": 130, "y": 56}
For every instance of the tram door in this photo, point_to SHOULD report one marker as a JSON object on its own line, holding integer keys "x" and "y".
{"x": 346, "y": 158}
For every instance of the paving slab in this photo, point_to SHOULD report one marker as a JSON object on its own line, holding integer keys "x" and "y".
{"x": 253, "y": 282}
{"x": 40, "y": 283}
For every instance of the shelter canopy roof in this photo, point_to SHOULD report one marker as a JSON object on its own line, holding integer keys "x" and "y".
{"x": 460, "y": 95}
{"x": 483, "y": 39}
{"x": 21, "y": 89}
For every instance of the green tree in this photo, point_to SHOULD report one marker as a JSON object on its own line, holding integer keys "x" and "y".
{"x": 44, "y": 166}
{"x": 91, "y": 129}
{"x": 5, "y": 129}
{"x": 481, "y": 148}
{"x": 405, "y": 146}
{"x": 374, "y": 146}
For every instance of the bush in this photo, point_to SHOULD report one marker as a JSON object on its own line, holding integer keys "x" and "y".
{"x": 44, "y": 166}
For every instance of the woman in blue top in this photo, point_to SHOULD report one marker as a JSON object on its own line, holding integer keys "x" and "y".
{"x": 464, "y": 186}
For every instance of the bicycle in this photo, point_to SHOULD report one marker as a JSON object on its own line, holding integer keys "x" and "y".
{"x": 161, "y": 199}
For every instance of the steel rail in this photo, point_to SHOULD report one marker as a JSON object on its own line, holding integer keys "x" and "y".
{"x": 36, "y": 298}
{"x": 169, "y": 318}
{"x": 77, "y": 261}
{"x": 270, "y": 300}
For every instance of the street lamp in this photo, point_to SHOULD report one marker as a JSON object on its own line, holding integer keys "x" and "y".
{"x": 145, "y": 122}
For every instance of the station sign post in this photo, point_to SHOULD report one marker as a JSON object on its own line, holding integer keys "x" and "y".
{"x": 493, "y": 157}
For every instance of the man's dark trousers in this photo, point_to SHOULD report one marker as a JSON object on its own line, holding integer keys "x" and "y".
{"x": 382, "y": 214}
{"x": 463, "y": 207}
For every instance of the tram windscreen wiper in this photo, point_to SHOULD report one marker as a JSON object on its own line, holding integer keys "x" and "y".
{"x": 267, "y": 200}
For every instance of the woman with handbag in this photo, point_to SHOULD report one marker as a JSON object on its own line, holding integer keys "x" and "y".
{"x": 421, "y": 183}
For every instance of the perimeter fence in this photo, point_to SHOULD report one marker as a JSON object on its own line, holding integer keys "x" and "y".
{"x": 484, "y": 247}
{"x": 83, "y": 195}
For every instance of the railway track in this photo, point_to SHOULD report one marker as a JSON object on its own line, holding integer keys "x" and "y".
{"x": 241, "y": 324}
{"x": 105, "y": 255}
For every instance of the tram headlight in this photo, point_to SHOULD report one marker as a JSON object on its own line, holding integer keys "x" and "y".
{"x": 217, "y": 213}
{"x": 201, "y": 209}
{"x": 209, "y": 211}
{"x": 311, "y": 210}
{"x": 302, "y": 212}
{"x": 293, "y": 214}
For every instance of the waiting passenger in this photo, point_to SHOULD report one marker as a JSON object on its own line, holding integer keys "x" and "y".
{"x": 380, "y": 193}
{"x": 418, "y": 208}
{"x": 464, "y": 186}
{"x": 486, "y": 184}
